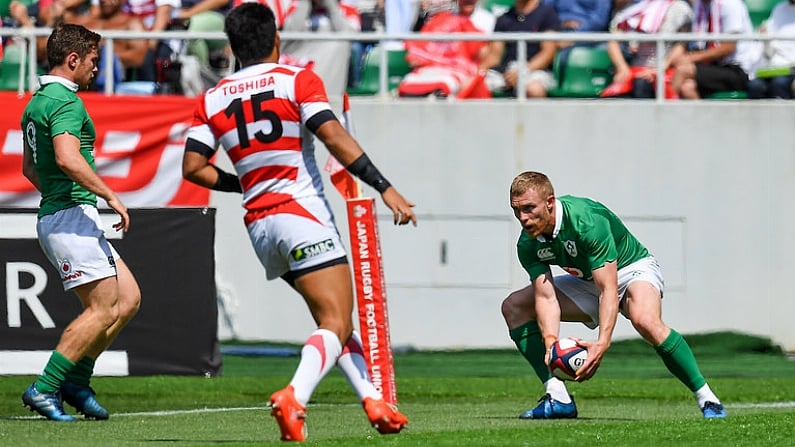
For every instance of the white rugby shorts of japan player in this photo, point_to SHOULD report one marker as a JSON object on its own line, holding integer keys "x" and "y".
{"x": 288, "y": 241}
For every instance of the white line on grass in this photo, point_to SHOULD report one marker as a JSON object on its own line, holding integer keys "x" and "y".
{"x": 763, "y": 405}
{"x": 224, "y": 410}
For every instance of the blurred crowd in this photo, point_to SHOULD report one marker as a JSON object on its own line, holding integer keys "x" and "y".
{"x": 460, "y": 69}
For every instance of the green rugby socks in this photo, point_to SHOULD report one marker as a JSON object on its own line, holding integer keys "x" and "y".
{"x": 679, "y": 359}
{"x": 82, "y": 372}
{"x": 56, "y": 371}
{"x": 528, "y": 340}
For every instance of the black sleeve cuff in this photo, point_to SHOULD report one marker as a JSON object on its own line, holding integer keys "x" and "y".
{"x": 363, "y": 168}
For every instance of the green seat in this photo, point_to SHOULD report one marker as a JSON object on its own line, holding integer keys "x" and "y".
{"x": 760, "y": 10}
{"x": 9, "y": 67}
{"x": 497, "y": 7}
{"x": 583, "y": 74}
{"x": 397, "y": 67}
{"x": 730, "y": 94}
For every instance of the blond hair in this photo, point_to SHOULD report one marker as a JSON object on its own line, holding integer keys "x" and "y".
{"x": 532, "y": 180}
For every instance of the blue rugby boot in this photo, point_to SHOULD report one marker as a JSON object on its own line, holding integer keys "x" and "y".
{"x": 713, "y": 410}
{"x": 47, "y": 405}
{"x": 549, "y": 408}
{"x": 82, "y": 398}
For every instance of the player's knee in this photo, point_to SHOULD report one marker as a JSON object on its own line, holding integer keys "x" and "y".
{"x": 514, "y": 307}
{"x": 648, "y": 326}
{"x": 341, "y": 329}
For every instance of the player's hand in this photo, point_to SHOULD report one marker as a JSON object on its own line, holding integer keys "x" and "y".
{"x": 116, "y": 205}
{"x": 596, "y": 350}
{"x": 401, "y": 208}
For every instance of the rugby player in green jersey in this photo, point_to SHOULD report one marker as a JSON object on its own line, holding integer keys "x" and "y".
{"x": 59, "y": 161}
{"x": 608, "y": 271}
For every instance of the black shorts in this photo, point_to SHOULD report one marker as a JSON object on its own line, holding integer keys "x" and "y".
{"x": 720, "y": 78}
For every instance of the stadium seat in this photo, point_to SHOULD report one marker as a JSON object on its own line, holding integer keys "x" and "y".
{"x": 497, "y": 7}
{"x": 9, "y": 67}
{"x": 583, "y": 74}
{"x": 760, "y": 10}
{"x": 730, "y": 94}
{"x": 397, "y": 67}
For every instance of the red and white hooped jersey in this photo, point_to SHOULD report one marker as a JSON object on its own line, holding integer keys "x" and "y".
{"x": 259, "y": 115}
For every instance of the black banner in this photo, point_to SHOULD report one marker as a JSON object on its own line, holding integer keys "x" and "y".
{"x": 170, "y": 252}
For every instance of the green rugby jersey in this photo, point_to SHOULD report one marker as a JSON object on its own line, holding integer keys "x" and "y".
{"x": 53, "y": 110}
{"x": 588, "y": 236}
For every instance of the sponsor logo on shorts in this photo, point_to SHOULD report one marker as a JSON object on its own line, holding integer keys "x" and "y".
{"x": 545, "y": 254}
{"x": 73, "y": 275}
{"x": 111, "y": 261}
{"x": 65, "y": 266}
{"x": 310, "y": 251}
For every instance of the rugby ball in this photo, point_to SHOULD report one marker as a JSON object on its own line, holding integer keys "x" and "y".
{"x": 566, "y": 357}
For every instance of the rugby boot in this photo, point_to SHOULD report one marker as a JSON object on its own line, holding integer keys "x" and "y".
{"x": 384, "y": 417}
{"x": 549, "y": 408}
{"x": 82, "y": 398}
{"x": 47, "y": 405}
{"x": 289, "y": 414}
{"x": 713, "y": 410}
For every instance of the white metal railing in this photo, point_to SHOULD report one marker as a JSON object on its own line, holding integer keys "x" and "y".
{"x": 29, "y": 34}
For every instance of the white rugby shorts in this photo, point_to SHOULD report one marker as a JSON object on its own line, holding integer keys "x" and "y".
{"x": 287, "y": 242}
{"x": 74, "y": 242}
{"x": 586, "y": 296}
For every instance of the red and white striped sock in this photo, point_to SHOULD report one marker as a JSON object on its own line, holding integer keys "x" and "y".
{"x": 353, "y": 366}
{"x": 318, "y": 356}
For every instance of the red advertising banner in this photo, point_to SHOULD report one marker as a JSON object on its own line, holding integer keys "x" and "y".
{"x": 138, "y": 151}
{"x": 371, "y": 295}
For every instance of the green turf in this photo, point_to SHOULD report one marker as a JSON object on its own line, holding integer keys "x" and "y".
{"x": 460, "y": 398}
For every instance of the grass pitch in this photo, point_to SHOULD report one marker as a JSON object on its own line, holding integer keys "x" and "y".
{"x": 462, "y": 398}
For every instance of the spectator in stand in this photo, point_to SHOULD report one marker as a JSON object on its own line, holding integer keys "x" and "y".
{"x": 156, "y": 15}
{"x": 446, "y": 67}
{"x": 779, "y": 55}
{"x": 330, "y": 58}
{"x": 371, "y": 13}
{"x": 525, "y": 16}
{"x": 636, "y": 63}
{"x": 204, "y": 16}
{"x": 280, "y": 8}
{"x": 129, "y": 54}
{"x": 427, "y": 8}
{"x": 706, "y": 67}
{"x": 587, "y": 16}
{"x": 399, "y": 17}
{"x": 45, "y": 14}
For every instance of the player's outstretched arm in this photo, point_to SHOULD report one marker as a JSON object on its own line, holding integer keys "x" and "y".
{"x": 345, "y": 149}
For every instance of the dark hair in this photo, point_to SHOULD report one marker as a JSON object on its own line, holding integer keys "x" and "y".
{"x": 68, "y": 38}
{"x": 251, "y": 29}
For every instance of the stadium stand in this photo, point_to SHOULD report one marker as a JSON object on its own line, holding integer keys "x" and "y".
{"x": 587, "y": 72}
{"x": 397, "y": 67}
{"x": 760, "y": 10}
{"x": 497, "y": 7}
{"x": 9, "y": 67}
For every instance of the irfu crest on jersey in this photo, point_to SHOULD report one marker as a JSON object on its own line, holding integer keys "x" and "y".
{"x": 571, "y": 248}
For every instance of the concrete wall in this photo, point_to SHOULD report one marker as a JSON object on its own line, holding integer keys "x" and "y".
{"x": 707, "y": 186}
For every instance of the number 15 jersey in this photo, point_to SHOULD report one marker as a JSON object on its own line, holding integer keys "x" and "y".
{"x": 262, "y": 116}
